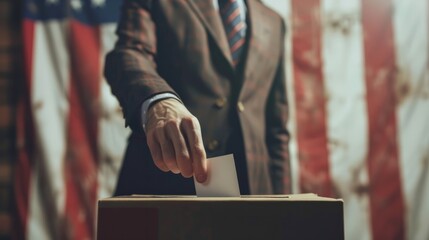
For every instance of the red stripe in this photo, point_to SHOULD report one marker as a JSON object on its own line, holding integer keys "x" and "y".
{"x": 82, "y": 145}
{"x": 233, "y": 16}
{"x": 25, "y": 137}
{"x": 237, "y": 45}
{"x": 236, "y": 28}
{"x": 386, "y": 199}
{"x": 310, "y": 98}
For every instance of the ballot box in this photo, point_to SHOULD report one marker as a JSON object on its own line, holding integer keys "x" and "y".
{"x": 304, "y": 216}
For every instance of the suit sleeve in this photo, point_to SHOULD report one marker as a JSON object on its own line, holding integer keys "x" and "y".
{"x": 131, "y": 68}
{"x": 277, "y": 137}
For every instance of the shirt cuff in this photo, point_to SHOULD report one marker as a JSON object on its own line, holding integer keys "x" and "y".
{"x": 148, "y": 102}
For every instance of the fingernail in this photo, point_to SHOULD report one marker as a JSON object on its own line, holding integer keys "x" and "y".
{"x": 201, "y": 178}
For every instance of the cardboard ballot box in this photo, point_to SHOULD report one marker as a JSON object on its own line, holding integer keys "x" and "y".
{"x": 304, "y": 216}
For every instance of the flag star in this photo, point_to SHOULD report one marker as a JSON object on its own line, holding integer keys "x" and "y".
{"x": 49, "y": 2}
{"x": 98, "y": 3}
{"x": 32, "y": 7}
{"x": 76, "y": 4}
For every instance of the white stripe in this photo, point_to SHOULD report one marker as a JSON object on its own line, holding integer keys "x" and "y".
{"x": 411, "y": 33}
{"x": 38, "y": 226}
{"x": 50, "y": 109}
{"x": 113, "y": 134}
{"x": 284, "y": 8}
{"x": 343, "y": 67}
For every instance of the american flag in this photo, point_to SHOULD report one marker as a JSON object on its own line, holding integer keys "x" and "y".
{"x": 71, "y": 134}
{"x": 358, "y": 85}
{"x": 358, "y": 88}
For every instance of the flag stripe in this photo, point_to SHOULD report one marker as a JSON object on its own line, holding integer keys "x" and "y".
{"x": 25, "y": 136}
{"x": 411, "y": 31}
{"x": 111, "y": 132}
{"x": 386, "y": 201}
{"x": 49, "y": 109}
{"x": 82, "y": 150}
{"x": 53, "y": 82}
{"x": 310, "y": 98}
{"x": 342, "y": 52}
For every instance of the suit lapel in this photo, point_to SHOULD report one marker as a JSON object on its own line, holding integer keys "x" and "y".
{"x": 251, "y": 60}
{"x": 209, "y": 16}
{"x": 257, "y": 34}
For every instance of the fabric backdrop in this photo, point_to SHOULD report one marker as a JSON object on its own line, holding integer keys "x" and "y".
{"x": 71, "y": 134}
{"x": 358, "y": 88}
{"x": 358, "y": 78}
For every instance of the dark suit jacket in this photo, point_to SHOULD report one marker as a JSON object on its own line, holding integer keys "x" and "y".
{"x": 180, "y": 46}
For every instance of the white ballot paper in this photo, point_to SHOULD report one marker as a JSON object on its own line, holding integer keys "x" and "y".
{"x": 221, "y": 180}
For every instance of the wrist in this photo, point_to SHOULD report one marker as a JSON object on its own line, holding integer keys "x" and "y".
{"x": 150, "y": 102}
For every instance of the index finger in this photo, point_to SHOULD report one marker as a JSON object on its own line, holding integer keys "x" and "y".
{"x": 192, "y": 130}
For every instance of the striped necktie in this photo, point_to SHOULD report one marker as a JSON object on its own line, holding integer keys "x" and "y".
{"x": 235, "y": 27}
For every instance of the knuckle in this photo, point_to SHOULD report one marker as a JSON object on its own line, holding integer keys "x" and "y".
{"x": 195, "y": 123}
{"x": 199, "y": 152}
{"x": 171, "y": 124}
{"x": 159, "y": 127}
{"x": 193, "y": 119}
{"x": 199, "y": 149}
{"x": 183, "y": 155}
{"x": 170, "y": 161}
{"x": 159, "y": 124}
{"x": 190, "y": 121}
{"x": 159, "y": 131}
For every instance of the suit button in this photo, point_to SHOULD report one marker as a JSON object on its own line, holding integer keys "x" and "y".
{"x": 220, "y": 102}
{"x": 213, "y": 145}
{"x": 240, "y": 106}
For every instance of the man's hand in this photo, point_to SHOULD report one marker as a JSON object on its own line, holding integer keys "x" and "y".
{"x": 174, "y": 139}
